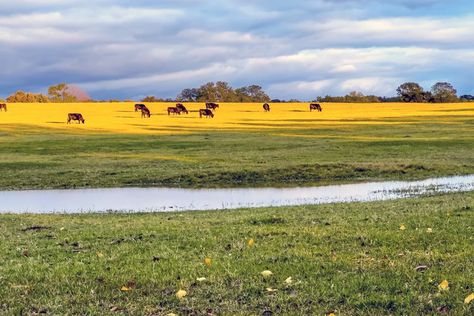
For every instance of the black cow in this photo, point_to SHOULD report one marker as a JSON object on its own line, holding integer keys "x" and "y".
{"x": 206, "y": 112}
{"x": 145, "y": 112}
{"x": 75, "y": 117}
{"x": 316, "y": 107}
{"x": 266, "y": 107}
{"x": 212, "y": 106}
{"x": 173, "y": 110}
{"x": 182, "y": 108}
{"x": 139, "y": 107}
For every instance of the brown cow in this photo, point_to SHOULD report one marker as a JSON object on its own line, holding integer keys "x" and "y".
{"x": 182, "y": 108}
{"x": 139, "y": 107}
{"x": 206, "y": 112}
{"x": 3, "y": 107}
{"x": 212, "y": 106}
{"x": 75, "y": 117}
{"x": 315, "y": 106}
{"x": 173, "y": 110}
{"x": 266, "y": 107}
{"x": 145, "y": 112}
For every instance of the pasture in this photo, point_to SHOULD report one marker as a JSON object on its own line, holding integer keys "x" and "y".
{"x": 383, "y": 258}
{"x": 241, "y": 146}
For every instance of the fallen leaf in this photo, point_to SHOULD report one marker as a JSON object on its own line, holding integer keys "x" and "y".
{"x": 171, "y": 314}
{"x": 402, "y": 227}
{"x": 469, "y": 299}
{"x": 289, "y": 280}
{"x": 443, "y": 286}
{"x": 270, "y": 290}
{"x": 250, "y": 242}
{"x": 429, "y": 230}
{"x": 267, "y": 273}
{"x": 100, "y": 255}
{"x": 208, "y": 262}
{"x": 125, "y": 289}
{"x": 181, "y": 294}
{"x": 201, "y": 279}
{"x": 331, "y": 314}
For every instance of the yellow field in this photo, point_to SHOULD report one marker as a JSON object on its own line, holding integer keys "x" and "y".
{"x": 121, "y": 117}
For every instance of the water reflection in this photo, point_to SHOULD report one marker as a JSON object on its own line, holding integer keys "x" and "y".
{"x": 167, "y": 199}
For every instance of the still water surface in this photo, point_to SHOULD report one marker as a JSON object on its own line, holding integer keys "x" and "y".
{"x": 168, "y": 199}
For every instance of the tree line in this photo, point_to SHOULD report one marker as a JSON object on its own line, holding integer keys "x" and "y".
{"x": 221, "y": 91}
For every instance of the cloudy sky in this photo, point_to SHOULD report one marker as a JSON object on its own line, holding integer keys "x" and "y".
{"x": 294, "y": 49}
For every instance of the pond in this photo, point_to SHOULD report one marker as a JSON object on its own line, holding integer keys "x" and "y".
{"x": 170, "y": 199}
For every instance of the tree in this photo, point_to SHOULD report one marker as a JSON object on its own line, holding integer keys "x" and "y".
{"x": 151, "y": 99}
{"x": 59, "y": 93}
{"x": 188, "y": 95}
{"x": 27, "y": 97}
{"x": 444, "y": 92}
{"x": 411, "y": 92}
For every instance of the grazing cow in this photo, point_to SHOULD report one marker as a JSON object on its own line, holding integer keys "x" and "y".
{"x": 212, "y": 106}
{"x": 139, "y": 107}
{"x": 3, "y": 107}
{"x": 182, "y": 108}
{"x": 145, "y": 112}
{"x": 75, "y": 117}
{"x": 266, "y": 107}
{"x": 173, "y": 110}
{"x": 316, "y": 107}
{"x": 206, "y": 112}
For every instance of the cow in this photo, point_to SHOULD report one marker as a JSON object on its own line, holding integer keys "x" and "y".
{"x": 145, "y": 112}
{"x": 206, "y": 112}
{"x": 182, "y": 108}
{"x": 75, "y": 117}
{"x": 315, "y": 106}
{"x": 212, "y": 106}
{"x": 3, "y": 107}
{"x": 174, "y": 111}
{"x": 266, "y": 107}
{"x": 139, "y": 107}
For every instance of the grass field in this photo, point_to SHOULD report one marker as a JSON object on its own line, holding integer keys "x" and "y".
{"x": 241, "y": 146}
{"x": 350, "y": 259}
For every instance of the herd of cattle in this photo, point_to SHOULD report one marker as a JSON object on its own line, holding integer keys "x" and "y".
{"x": 176, "y": 110}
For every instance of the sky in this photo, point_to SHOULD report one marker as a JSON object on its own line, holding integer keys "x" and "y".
{"x": 127, "y": 49}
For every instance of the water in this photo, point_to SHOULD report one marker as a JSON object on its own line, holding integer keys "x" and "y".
{"x": 167, "y": 199}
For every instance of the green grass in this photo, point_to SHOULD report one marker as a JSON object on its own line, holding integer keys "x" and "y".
{"x": 33, "y": 158}
{"x": 349, "y": 258}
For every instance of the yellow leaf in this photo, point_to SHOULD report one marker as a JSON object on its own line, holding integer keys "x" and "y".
{"x": 429, "y": 230}
{"x": 171, "y": 314}
{"x": 208, "y": 262}
{"x": 444, "y": 285}
{"x": 331, "y": 314}
{"x": 267, "y": 273}
{"x": 250, "y": 242}
{"x": 201, "y": 279}
{"x": 269, "y": 289}
{"x": 402, "y": 227}
{"x": 289, "y": 280}
{"x": 181, "y": 294}
{"x": 469, "y": 299}
{"x": 125, "y": 289}
{"x": 100, "y": 255}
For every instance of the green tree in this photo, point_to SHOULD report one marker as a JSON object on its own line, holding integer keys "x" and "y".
{"x": 59, "y": 93}
{"x": 444, "y": 92}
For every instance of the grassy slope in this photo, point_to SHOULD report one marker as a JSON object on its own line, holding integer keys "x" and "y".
{"x": 32, "y": 157}
{"x": 351, "y": 258}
